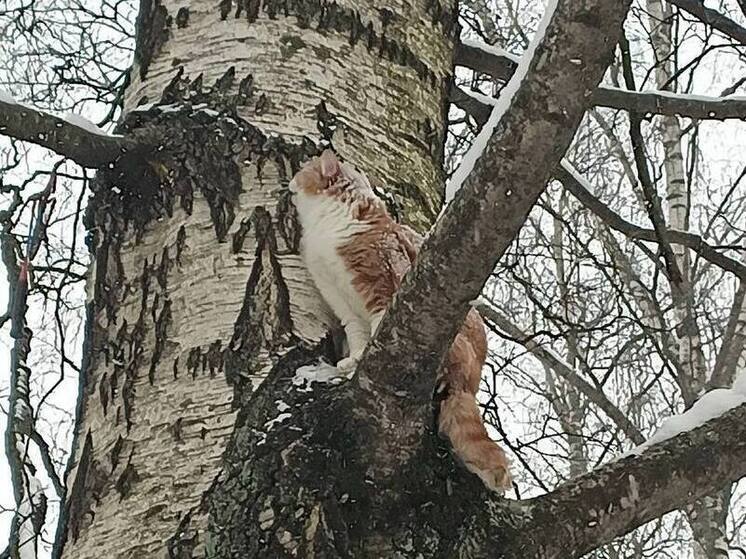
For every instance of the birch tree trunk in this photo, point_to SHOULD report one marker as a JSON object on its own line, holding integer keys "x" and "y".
{"x": 707, "y": 516}
{"x": 197, "y": 294}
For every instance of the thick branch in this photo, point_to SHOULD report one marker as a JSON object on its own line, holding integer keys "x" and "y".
{"x": 488, "y": 211}
{"x": 653, "y": 102}
{"x": 499, "y": 67}
{"x": 619, "y": 497}
{"x": 475, "y": 108}
{"x": 547, "y": 357}
{"x": 83, "y": 146}
{"x": 713, "y": 18}
{"x": 664, "y": 103}
{"x": 567, "y": 176}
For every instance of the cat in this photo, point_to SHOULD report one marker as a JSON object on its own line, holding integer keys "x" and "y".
{"x": 358, "y": 255}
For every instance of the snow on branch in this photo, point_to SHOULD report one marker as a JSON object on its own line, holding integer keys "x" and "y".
{"x": 667, "y": 103}
{"x": 72, "y": 137}
{"x": 616, "y": 498}
{"x": 701, "y": 107}
{"x": 711, "y": 405}
{"x": 574, "y": 182}
{"x": 399, "y": 366}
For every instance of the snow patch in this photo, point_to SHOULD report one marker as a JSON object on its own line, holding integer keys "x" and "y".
{"x": 143, "y": 108}
{"x": 500, "y": 106}
{"x": 321, "y": 372}
{"x": 6, "y": 97}
{"x": 269, "y": 425}
{"x": 84, "y": 123}
{"x": 711, "y": 405}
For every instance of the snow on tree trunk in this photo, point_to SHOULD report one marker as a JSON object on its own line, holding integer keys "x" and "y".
{"x": 197, "y": 293}
{"x": 707, "y": 516}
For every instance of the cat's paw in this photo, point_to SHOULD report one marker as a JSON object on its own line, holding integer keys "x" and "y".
{"x": 347, "y": 365}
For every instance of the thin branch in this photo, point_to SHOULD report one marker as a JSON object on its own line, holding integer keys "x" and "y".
{"x": 398, "y": 370}
{"x": 713, "y": 18}
{"x": 46, "y": 459}
{"x": 653, "y": 206}
{"x": 83, "y": 146}
{"x": 571, "y": 180}
{"x": 550, "y": 359}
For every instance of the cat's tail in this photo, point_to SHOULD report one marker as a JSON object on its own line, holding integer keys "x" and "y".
{"x": 460, "y": 421}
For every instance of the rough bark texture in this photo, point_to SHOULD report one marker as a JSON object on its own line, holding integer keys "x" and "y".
{"x": 197, "y": 290}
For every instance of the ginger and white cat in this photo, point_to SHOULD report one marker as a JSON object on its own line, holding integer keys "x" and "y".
{"x": 358, "y": 255}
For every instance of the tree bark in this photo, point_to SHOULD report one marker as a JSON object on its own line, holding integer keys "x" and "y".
{"x": 197, "y": 291}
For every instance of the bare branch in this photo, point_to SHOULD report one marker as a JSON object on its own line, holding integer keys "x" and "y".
{"x": 547, "y": 357}
{"x": 566, "y": 174}
{"x": 83, "y": 146}
{"x": 653, "y": 102}
{"x": 46, "y": 459}
{"x": 470, "y": 105}
{"x": 664, "y": 103}
{"x": 734, "y": 341}
{"x": 481, "y": 222}
{"x": 499, "y": 67}
{"x": 713, "y": 18}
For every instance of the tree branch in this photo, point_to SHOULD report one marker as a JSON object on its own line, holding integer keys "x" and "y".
{"x": 618, "y": 497}
{"x": 499, "y": 67}
{"x": 713, "y": 18}
{"x": 470, "y": 105}
{"x": 83, "y": 146}
{"x": 653, "y": 205}
{"x": 568, "y": 176}
{"x": 733, "y": 342}
{"x": 594, "y": 395}
{"x": 399, "y": 366}
{"x": 654, "y": 102}
{"x": 664, "y": 103}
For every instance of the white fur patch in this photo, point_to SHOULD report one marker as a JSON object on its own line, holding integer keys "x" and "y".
{"x": 327, "y": 225}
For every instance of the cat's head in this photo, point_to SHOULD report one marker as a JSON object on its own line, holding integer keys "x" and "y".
{"x": 326, "y": 175}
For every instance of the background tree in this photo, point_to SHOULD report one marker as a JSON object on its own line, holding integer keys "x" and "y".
{"x": 196, "y": 282}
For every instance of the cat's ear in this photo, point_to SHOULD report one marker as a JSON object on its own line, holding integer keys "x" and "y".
{"x": 329, "y": 164}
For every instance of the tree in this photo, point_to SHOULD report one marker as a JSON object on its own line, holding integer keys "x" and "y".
{"x": 205, "y": 424}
